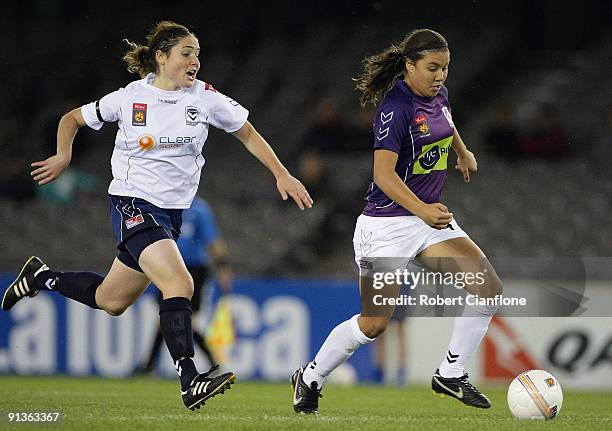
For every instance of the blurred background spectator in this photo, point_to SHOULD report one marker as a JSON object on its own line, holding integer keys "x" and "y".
{"x": 329, "y": 132}
{"x": 547, "y": 137}
{"x": 501, "y": 136}
{"x": 15, "y": 183}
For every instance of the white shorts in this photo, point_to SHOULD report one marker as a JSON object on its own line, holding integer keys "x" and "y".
{"x": 401, "y": 237}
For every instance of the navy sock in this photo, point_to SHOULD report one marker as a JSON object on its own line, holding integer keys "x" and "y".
{"x": 175, "y": 324}
{"x": 47, "y": 280}
{"x": 80, "y": 286}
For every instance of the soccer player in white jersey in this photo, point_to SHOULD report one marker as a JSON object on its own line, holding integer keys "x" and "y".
{"x": 404, "y": 217}
{"x": 163, "y": 122}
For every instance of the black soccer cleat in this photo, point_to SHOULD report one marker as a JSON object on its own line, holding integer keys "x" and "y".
{"x": 305, "y": 398}
{"x": 203, "y": 387}
{"x": 24, "y": 285}
{"x": 460, "y": 388}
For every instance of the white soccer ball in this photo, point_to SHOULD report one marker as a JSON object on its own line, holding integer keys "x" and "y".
{"x": 535, "y": 394}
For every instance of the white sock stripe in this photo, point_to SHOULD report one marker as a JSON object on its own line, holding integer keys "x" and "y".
{"x": 41, "y": 269}
{"x": 468, "y": 333}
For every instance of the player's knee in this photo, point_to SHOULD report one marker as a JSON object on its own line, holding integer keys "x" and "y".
{"x": 375, "y": 331}
{"x": 491, "y": 288}
{"x": 494, "y": 286}
{"x": 498, "y": 287}
{"x": 187, "y": 285}
{"x": 115, "y": 309}
{"x": 180, "y": 285}
{"x": 373, "y": 327}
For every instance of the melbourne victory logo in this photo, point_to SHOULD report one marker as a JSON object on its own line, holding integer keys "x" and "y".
{"x": 192, "y": 115}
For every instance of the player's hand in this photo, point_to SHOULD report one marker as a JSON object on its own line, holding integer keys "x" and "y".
{"x": 466, "y": 164}
{"x": 288, "y": 185}
{"x": 435, "y": 215}
{"x": 48, "y": 170}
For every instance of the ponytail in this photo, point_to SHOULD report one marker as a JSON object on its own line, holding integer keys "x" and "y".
{"x": 140, "y": 59}
{"x": 380, "y": 70}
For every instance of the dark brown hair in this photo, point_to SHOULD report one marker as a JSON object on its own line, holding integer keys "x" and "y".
{"x": 140, "y": 59}
{"x": 380, "y": 70}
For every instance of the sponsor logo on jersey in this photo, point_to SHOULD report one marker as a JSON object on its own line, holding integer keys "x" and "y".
{"x": 366, "y": 264}
{"x": 169, "y": 142}
{"x": 384, "y": 118}
{"x": 146, "y": 142}
{"x": 430, "y": 158}
{"x": 424, "y": 128}
{"x": 448, "y": 116}
{"x": 170, "y": 101}
{"x": 134, "y": 221}
{"x": 421, "y": 121}
{"x": 139, "y": 114}
{"x": 177, "y": 139}
{"x": 192, "y": 116}
{"x": 433, "y": 157}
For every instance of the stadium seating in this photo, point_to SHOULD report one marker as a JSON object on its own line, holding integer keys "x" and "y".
{"x": 528, "y": 208}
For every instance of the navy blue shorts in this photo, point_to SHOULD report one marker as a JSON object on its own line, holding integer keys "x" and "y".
{"x": 138, "y": 223}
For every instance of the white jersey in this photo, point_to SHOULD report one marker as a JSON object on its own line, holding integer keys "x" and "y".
{"x": 158, "y": 148}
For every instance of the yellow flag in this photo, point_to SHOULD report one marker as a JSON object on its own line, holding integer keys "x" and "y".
{"x": 220, "y": 335}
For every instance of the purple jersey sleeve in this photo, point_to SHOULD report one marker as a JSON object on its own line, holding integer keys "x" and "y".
{"x": 391, "y": 126}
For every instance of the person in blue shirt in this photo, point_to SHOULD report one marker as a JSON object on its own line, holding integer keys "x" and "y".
{"x": 203, "y": 249}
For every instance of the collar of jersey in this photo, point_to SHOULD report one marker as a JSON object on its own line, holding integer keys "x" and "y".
{"x": 151, "y": 76}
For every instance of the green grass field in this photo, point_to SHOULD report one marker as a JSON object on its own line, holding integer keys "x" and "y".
{"x": 135, "y": 404}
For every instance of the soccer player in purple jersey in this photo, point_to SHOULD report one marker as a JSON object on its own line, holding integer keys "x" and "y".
{"x": 404, "y": 218}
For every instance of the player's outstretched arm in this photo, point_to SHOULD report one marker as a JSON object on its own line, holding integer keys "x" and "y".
{"x": 286, "y": 183}
{"x": 466, "y": 162}
{"x": 47, "y": 170}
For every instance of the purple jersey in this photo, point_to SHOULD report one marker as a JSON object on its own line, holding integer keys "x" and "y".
{"x": 420, "y": 131}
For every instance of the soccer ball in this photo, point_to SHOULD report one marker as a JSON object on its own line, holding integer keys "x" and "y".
{"x": 535, "y": 394}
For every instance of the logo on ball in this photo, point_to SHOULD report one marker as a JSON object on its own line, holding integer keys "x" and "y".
{"x": 146, "y": 142}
